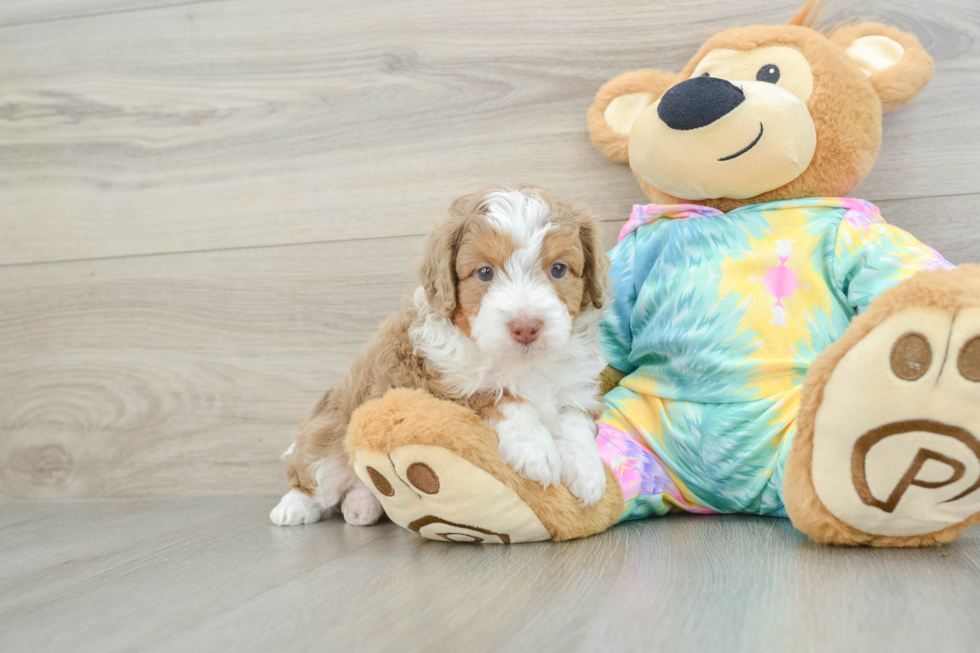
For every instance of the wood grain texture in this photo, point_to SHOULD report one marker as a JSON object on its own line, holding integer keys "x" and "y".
{"x": 247, "y": 123}
{"x": 15, "y": 13}
{"x": 212, "y": 574}
{"x": 207, "y": 208}
{"x": 185, "y": 374}
{"x": 182, "y": 373}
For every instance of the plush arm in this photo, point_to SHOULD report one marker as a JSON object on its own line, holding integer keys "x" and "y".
{"x": 615, "y": 333}
{"x": 609, "y": 379}
{"x": 871, "y": 256}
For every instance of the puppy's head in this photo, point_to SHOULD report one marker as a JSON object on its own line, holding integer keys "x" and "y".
{"x": 513, "y": 267}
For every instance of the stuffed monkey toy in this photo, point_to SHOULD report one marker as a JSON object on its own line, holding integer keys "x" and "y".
{"x": 775, "y": 347}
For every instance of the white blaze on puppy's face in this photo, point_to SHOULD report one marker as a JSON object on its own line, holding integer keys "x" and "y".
{"x": 519, "y": 272}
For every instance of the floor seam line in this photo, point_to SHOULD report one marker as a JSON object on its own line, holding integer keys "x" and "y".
{"x": 60, "y": 19}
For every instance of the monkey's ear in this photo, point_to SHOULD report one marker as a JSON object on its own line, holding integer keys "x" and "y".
{"x": 895, "y": 62}
{"x": 618, "y": 103}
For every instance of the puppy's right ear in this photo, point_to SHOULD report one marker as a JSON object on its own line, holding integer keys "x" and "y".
{"x": 438, "y": 270}
{"x": 595, "y": 274}
{"x": 618, "y": 103}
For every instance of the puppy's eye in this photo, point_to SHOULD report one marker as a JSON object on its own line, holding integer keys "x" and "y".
{"x": 558, "y": 270}
{"x": 485, "y": 273}
{"x": 768, "y": 73}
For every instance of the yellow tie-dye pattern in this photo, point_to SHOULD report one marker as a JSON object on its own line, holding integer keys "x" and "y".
{"x": 644, "y": 414}
{"x": 784, "y": 417}
{"x": 775, "y": 332}
{"x": 648, "y": 416}
{"x": 852, "y": 239}
{"x": 728, "y": 428}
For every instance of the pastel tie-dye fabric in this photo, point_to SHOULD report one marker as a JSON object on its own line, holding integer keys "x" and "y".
{"x": 716, "y": 318}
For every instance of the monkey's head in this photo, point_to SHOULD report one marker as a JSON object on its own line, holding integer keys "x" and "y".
{"x": 761, "y": 113}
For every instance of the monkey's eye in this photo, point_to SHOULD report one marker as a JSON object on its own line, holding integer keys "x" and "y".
{"x": 768, "y": 73}
{"x": 485, "y": 273}
{"x": 558, "y": 270}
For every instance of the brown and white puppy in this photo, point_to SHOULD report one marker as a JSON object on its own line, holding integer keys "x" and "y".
{"x": 504, "y": 322}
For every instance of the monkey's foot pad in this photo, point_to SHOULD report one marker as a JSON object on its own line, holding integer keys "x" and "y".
{"x": 439, "y": 495}
{"x": 896, "y": 441}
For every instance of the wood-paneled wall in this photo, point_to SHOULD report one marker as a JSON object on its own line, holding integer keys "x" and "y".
{"x": 206, "y": 207}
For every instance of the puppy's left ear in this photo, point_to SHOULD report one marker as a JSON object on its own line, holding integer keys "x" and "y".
{"x": 895, "y": 62}
{"x": 437, "y": 273}
{"x": 595, "y": 274}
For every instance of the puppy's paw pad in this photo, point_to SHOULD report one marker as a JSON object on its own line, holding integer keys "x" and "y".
{"x": 296, "y": 508}
{"x": 533, "y": 461}
{"x": 582, "y": 472}
{"x": 361, "y": 508}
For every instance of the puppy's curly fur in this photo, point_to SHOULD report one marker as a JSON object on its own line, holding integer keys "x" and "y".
{"x": 428, "y": 346}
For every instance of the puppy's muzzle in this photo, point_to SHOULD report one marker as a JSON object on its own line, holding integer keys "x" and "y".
{"x": 525, "y": 330}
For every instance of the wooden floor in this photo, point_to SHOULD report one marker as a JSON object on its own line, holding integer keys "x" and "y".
{"x": 211, "y": 575}
{"x": 206, "y": 206}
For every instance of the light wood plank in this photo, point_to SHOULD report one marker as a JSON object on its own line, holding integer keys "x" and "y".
{"x": 177, "y": 375}
{"x": 947, "y": 223}
{"x": 23, "y": 12}
{"x": 182, "y": 375}
{"x": 236, "y": 124}
{"x": 125, "y": 571}
{"x": 212, "y": 574}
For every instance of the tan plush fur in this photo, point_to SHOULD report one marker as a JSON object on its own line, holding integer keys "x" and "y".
{"x": 898, "y": 85}
{"x": 948, "y": 290}
{"x": 609, "y": 379}
{"x": 613, "y": 144}
{"x": 452, "y": 251}
{"x": 410, "y": 417}
{"x": 846, "y": 105}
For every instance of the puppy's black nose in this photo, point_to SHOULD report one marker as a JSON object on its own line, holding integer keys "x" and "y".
{"x": 698, "y": 101}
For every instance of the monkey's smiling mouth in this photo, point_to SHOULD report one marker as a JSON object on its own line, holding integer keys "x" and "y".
{"x": 744, "y": 149}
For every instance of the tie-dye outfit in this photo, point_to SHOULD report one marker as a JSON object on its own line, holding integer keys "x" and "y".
{"x": 716, "y": 319}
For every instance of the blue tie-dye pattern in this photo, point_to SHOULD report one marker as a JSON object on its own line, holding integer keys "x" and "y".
{"x": 719, "y": 387}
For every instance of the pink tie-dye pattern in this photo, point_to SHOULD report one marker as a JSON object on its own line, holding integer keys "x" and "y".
{"x": 781, "y": 282}
{"x": 638, "y": 470}
{"x": 862, "y": 215}
{"x": 938, "y": 261}
{"x": 646, "y": 213}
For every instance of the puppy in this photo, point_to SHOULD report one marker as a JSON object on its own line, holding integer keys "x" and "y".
{"x": 504, "y": 322}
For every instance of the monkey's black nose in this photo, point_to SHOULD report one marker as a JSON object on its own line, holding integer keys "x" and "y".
{"x": 698, "y": 101}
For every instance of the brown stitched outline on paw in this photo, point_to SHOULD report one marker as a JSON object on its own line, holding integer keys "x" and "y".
{"x": 863, "y": 445}
{"x": 473, "y": 538}
{"x": 380, "y": 482}
{"x": 911, "y": 356}
{"x": 422, "y": 522}
{"x": 969, "y": 361}
{"x": 422, "y": 477}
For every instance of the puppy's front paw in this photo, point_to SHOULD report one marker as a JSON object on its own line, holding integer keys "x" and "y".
{"x": 531, "y": 454}
{"x": 296, "y": 508}
{"x": 361, "y": 508}
{"x": 582, "y": 471}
